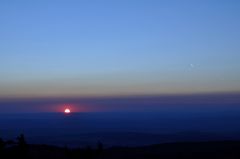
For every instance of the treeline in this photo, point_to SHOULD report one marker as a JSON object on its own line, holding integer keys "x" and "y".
{"x": 20, "y": 149}
{"x": 19, "y": 146}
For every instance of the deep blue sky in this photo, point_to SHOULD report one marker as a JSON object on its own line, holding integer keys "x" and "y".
{"x": 51, "y": 48}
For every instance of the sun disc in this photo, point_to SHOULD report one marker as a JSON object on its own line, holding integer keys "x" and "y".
{"x": 67, "y": 111}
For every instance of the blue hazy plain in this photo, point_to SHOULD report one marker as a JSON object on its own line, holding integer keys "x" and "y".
{"x": 118, "y": 129}
{"x": 140, "y": 121}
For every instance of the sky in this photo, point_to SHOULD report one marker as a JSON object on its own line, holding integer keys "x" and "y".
{"x": 89, "y": 48}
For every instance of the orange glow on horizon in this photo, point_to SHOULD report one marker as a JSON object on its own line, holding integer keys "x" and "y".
{"x": 72, "y": 107}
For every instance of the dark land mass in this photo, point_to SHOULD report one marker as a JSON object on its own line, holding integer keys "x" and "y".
{"x": 179, "y": 150}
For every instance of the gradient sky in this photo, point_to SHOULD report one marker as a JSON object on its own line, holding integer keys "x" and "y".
{"x": 52, "y": 48}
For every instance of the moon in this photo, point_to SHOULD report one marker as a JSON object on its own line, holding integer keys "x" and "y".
{"x": 67, "y": 111}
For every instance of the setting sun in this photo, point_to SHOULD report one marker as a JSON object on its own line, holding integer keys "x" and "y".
{"x": 67, "y": 111}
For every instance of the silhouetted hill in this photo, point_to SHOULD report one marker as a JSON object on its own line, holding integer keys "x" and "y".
{"x": 182, "y": 150}
{"x": 179, "y": 150}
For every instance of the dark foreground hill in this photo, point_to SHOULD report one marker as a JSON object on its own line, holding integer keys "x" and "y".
{"x": 180, "y": 150}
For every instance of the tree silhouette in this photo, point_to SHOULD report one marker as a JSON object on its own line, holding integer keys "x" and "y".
{"x": 99, "y": 147}
{"x": 22, "y": 146}
{"x": 2, "y": 146}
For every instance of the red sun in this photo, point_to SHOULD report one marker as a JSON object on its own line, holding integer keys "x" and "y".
{"x": 67, "y": 111}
